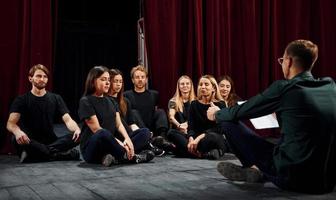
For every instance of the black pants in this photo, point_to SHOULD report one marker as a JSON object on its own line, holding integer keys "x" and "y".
{"x": 45, "y": 152}
{"x": 251, "y": 149}
{"x": 159, "y": 123}
{"x": 211, "y": 141}
{"x": 103, "y": 142}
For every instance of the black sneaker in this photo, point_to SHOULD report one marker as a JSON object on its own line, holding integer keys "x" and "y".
{"x": 214, "y": 154}
{"x": 157, "y": 141}
{"x": 144, "y": 156}
{"x": 162, "y": 143}
{"x": 237, "y": 173}
{"x": 169, "y": 147}
{"x": 72, "y": 154}
{"x": 108, "y": 160}
{"x": 155, "y": 150}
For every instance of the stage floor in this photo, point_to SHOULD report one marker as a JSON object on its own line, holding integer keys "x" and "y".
{"x": 163, "y": 178}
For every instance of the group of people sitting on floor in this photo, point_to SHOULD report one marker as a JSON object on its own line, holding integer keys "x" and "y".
{"x": 128, "y": 127}
{"x": 118, "y": 126}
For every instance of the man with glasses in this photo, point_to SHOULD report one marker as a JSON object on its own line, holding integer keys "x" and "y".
{"x": 304, "y": 160}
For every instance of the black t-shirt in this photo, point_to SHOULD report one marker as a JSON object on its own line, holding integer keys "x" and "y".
{"x": 125, "y": 120}
{"x": 198, "y": 121}
{"x": 128, "y": 117}
{"x": 145, "y": 103}
{"x": 181, "y": 117}
{"x": 38, "y": 115}
{"x": 105, "y": 110}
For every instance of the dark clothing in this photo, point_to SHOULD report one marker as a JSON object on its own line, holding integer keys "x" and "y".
{"x": 211, "y": 141}
{"x": 95, "y": 145}
{"x": 123, "y": 118}
{"x": 305, "y": 109}
{"x": 145, "y": 103}
{"x": 41, "y": 152}
{"x": 102, "y": 143}
{"x": 183, "y": 116}
{"x": 38, "y": 115}
{"x": 131, "y": 116}
{"x": 103, "y": 108}
{"x": 128, "y": 117}
{"x": 37, "y": 118}
{"x": 127, "y": 120}
{"x": 179, "y": 139}
{"x": 198, "y": 122}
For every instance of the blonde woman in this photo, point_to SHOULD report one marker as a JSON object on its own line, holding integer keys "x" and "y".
{"x": 179, "y": 105}
{"x": 178, "y": 108}
{"x": 202, "y": 140}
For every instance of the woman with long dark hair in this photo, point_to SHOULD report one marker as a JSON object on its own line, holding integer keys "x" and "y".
{"x": 131, "y": 120}
{"x": 228, "y": 91}
{"x": 104, "y": 138}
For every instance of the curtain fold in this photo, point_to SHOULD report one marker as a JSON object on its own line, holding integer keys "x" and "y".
{"x": 240, "y": 38}
{"x": 25, "y": 40}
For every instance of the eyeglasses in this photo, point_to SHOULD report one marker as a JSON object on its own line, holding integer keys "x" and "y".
{"x": 280, "y": 60}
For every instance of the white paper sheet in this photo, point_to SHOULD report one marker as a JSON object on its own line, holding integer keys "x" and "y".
{"x": 263, "y": 122}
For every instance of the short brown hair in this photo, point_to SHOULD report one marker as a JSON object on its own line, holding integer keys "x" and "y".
{"x": 139, "y": 68}
{"x": 304, "y": 53}
{"x": 34, "y": 68}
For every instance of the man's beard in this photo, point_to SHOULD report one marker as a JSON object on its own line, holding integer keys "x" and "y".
{"x": 140, "y": 86}
{"x": 40, "y": 86}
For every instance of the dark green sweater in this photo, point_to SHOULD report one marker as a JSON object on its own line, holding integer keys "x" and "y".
{"x": 306, "y": 111}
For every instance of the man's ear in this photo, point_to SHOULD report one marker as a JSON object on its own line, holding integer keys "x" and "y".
{"x": 30, "y": 78}
{"x": 290, "y": 62}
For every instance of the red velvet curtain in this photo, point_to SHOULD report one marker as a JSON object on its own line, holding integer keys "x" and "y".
{"x": 26, "y": 38}
{"x": 236, "y": 37}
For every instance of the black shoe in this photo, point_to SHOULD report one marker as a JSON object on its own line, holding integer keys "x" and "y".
{"x": 214, "y": 154}
{"x": 109, "y": 160}
{"x": 23, "y": 157}
{"x": 237, "y": 173}
{"x": 157, "y": 141}
{"x": 72, "y": 154}
{"x": 144, "y": 156}
{"x": 155, "y": 150}
{"x": 162, "y": 143}
{"x": 169, "y": 147}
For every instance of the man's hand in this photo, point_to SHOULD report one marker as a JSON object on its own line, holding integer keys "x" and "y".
{"x": 22, "y": 138}
{"x": 212, "y": 111}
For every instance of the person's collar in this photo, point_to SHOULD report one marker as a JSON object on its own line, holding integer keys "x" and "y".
{"x": 304, "y": 74}
{"x": 139, "y": 92}
{"x": 38, "y": 93}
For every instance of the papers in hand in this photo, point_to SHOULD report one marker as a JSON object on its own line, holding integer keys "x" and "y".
{"x": 263, "y": 122}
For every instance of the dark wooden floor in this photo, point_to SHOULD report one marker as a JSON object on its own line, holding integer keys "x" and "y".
{"x": 163, "y": 178}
